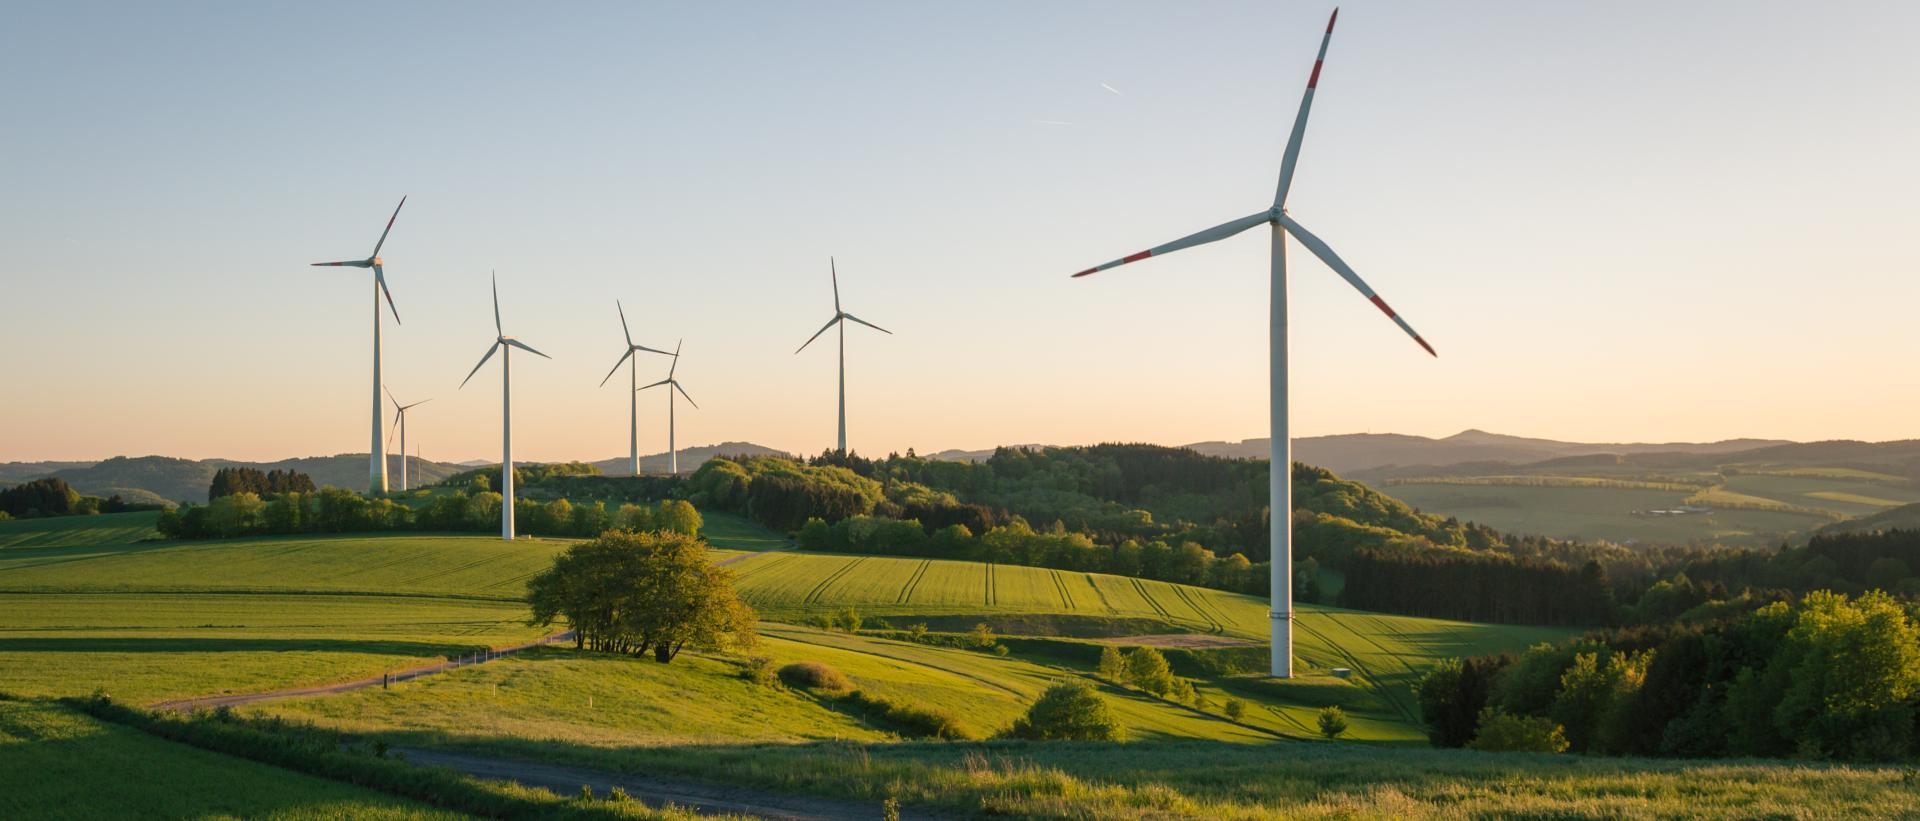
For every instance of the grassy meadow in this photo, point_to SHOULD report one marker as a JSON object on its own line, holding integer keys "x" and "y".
{"x": 62, "y": 764}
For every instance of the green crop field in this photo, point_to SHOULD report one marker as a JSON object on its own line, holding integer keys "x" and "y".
{"x": 61, "y": 764}
{"x": 78, "y": 531}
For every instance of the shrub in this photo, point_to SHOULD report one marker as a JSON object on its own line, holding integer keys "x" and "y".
{"x": 1000, "y": 650}
{"x": 812, "y": 675}
{"x": 1333, "y": 721}
{"x": 758, "y": 670}
{"x": 1113, "y": 666}
{"x": 1505, "y": 732}
{"x": 1236, "y": 709}
{"x": 982, "y": 637}
{"x": 917, "y": 631}
{"x": 1069, "y": 711}
{"x": 850, "y": 620}
{"x": 911, "y": 719}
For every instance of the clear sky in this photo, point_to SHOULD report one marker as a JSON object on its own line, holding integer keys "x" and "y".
{"x": 1616, "y": 221}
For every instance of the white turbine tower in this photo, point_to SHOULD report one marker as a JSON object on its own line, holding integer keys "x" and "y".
{"x": 633, "y": 383}
{"x": 377, "y": 467}
{"x": 503, "y": 343}
{"x": 673, "y": 452}
{"x": 839, "y": 318}
{"x": 400, "y": 425}
{"x": 1280, "y": 488}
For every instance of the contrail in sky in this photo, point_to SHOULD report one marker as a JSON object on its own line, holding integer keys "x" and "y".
{"x": 1115, "y": 91}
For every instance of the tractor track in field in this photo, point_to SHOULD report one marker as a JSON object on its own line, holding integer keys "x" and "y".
{"x": 913, "y": 582}
{"x": 1214, "y": 625}
{"x": 902, "y": 660}
{"x": 813, "y": 596}
{"x": 1373, "y": 681}
{"x": 1066, "y": 598}
{"x": 992, "y": 593}
{"x": 1101, "y": 594}
{"x": 1150, "y": 600}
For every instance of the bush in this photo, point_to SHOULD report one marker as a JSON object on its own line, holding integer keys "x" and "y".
{"x": 911, "y": 719}
{"x": 1069, "y": 711}
{"x": 758, "y": 670}
{"x": 1504, "y": 732}
{"x": 850, "y": 620}
{"x": 1333, "y": 721}
{"x": 812, "y": 675}
{"x": 1113, "y": 666}
{"x": 1236, "y": 709}
{"x": 982, "y": 637}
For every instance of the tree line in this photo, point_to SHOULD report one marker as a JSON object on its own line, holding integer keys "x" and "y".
{"x": 228, "y": 481}
{"x": 334, "y": 510}
{"x": 52, "y": 496}
{"x": 1826, "y": 677}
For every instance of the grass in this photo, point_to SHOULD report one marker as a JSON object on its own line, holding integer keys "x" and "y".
{"x": 61, "y": 764}
{"x": 78, "y": 531}
{"x": 1599, "y": 513}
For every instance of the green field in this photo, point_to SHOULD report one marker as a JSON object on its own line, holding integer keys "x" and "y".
{"x": 78, "y": 531}
{"x": 61, "y": 764}
{"x": 1598, "y": 513}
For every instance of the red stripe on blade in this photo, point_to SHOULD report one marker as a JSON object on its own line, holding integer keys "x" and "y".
{"x": 1336, "y": 16}
{"x": 1137, "y": 257}
{"x": 1423, "y": 344}
{"x": 1315, "y": 79}
{"x": 1086, "y": 272}
{"x": 1382, "y": 305}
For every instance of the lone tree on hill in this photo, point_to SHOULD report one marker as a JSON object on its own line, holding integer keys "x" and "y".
{"x": 638, "y": 592}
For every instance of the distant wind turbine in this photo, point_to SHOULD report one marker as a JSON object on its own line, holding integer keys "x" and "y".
{"x": 839, "y": 318}
{"x": 502, "y": 343}
{"x": 633, "y": 385}
{"x": 400, "y": 425}
{"x": 377, "y": 467}
{"x": 673, "y": 452}
{"x": 1280, "y": 488}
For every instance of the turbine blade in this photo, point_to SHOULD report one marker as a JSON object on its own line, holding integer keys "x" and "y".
{"x": 496, "y": 305}
{"x": 676, "y": 358}
{"x": 417, "y": 404}
{"x": 1320, "y": 249}
{"x": 483, "y": 360}
{"x": 623, "y": 324}
{"x": 525, "y": 347}
{"x": 393, "y": 429}
{"x": 349, "y": 263}
{"x": 834, "y": 269}
{"x": 396, "y": 402}
{"x": 683, "y": 392}
{"x": 616, "y": 367}
{"x": 383, "y": 234}
{"x": 652, "y": 350}
{"x": 868, "y": 324}
{"x": 654, "y": 385}
{"x": 1292, "y": 156}
{"x": 816, "y": 334}
{"x": 380, "y": 276}
{"x": 1214, "y": 234}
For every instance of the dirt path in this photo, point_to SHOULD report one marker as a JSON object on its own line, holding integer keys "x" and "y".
{"x": 706, "y": 799}
{"x": 186, "y": 704}
{"x": 1179, "y": 640}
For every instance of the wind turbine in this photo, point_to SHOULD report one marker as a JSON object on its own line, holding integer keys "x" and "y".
{"x": 633, "y": 395}
{"x": 377, "y": 467}
{"x": 673, "y": 453}
{"x": 400, "y": 424}
{"x": 1280, "y": 488}
{"x": 503, "y": 343}
{"x": 839, "y": 318}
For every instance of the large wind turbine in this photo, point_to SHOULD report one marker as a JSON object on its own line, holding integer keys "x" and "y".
{"x": 377, "y": 467}
{"x": 502, "y": 343}
{"x": 839, "y": 318}
{"x": 1280, "y": 487}
{"x": 633, "y": 394}
{"x": 400, "y": 425}
{"x": 673, "y": 452}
